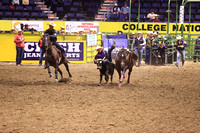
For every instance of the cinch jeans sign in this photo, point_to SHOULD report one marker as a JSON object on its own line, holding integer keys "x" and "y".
{"x": 74, "y": 50}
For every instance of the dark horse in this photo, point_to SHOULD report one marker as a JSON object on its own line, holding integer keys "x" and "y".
{"x": 124, "y": 60}
{"x": 54, "y": 57}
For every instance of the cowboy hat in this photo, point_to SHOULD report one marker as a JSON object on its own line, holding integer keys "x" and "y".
{"x": 139, "y": 32}
{"x": 179, "y": 37}
{"x": 116, "y": 4}
{"x": 151, "y": 32}
{"x": 62, "y": 27}
{"x": 155, "y": 33}
{"x": 133, "y": 33}
{"x": 168, "y": 11}
{"x": 99, "y": 47}
{"x": 42, "y": 34}
{"x": 19, "y": 30}
{"x": 51, "y": 23}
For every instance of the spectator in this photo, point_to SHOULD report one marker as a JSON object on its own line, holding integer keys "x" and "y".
{"x": 151, "y": 16}
{"x": 170, "y": 16}
{"x": 26, "y": 28}
{"x": 131, "y": 41}
{"x": 67, "y": 32}
{"x": 15, "y": 2}
{"x": 32, "y": 30}
{"x": 25, "y": 2}
{"x": 115, "y": 9}
{"x": 197, "y": 49}
{"x": 161, "y": 53}
{"x": 156, "y": 18}
{"x": 13, "y": 31}
{"x": 2, "y": 31}
{"x": 81, "y": 32}
{"x": 156, "y": 38}
{"x": 19, "y": 41}
{"x": 180, "y": 48}
{"x": 91, "y": 32}
{"x": 119, "y": 32}
{"x": 149, "y": 41}
{"x": 62, "y": 30}
{"x": 139, "y": 43}
{"x": 125, "y": 10}
{"x": 42, "y": 49}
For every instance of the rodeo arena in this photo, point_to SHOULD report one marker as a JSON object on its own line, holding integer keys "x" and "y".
{"x": 99, "y": 66}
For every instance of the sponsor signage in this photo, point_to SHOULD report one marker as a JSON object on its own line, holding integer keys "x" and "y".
{"x": 144, "y": 27}
{"x": 74, "y": 50}
{"x": 32, "y": 24}
{"x": 81, "y": 26}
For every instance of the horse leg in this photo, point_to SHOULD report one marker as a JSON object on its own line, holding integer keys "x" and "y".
{"x": 60, "y": 72}
{"x": 129, "y": 74}
{"x": 50, "y": 74}
{"x": 67, "y": 68}
{"x": 120, "y": 81}
{"x": 100, "y": 79}
{"x": 56, "y": 74}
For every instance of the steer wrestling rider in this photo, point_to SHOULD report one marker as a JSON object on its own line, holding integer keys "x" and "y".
{"x": 102, "y": 54}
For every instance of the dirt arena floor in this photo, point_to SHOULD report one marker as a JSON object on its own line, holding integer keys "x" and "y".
{"x": 158, "y": 99}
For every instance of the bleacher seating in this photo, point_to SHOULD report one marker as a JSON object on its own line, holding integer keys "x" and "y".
{"x": 83, "y": 10}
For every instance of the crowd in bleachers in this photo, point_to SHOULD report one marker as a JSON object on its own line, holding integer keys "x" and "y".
{"x": 84, "y": 10}
{"x": 21, "y": 10}
{"x": 158, "y": 9}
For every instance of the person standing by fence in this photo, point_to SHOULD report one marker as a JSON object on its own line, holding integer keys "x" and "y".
{"x": 180, "y": 48}
{"x": 149, "y": 41}
{"x": 42, "y": 49}
{"x": 19, "y": 41}
{"x": 197, "y": 49}
{"x": 139, "y": 43}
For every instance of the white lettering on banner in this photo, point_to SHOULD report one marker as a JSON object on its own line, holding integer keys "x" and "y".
{"x": 26, "y": 55}
{"x": 74, "y": 46}
{"x": 73, "y": 55}
{"x": 64, "y": 45}
{"x": 30, "y": 47}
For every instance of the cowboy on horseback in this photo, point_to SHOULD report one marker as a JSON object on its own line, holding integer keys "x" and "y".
{"x": 102, "y": 54}
{"x": 53, "y": 38}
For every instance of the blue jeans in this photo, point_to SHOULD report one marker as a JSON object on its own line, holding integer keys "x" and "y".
{"x": 196, "y": 54}
{"x": 42, "y": 52}
{"x": 139, "y": 52}
{"x": 179, "y": 54}
{"x": 59, "y": 47}
{"x": 147, "y": 53}
{"x": 20, "y": 53}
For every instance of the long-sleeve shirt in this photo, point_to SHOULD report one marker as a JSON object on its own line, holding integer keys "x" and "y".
{"x": 101, "y": 55}
{"x": 180, "y": 45}
{"x": 19, "y": 41}
{"x": 139, "y": 42}
{"x": 52, "y": 34}
{"x": 125, "y": 9}
{"x": 149, "y": 41}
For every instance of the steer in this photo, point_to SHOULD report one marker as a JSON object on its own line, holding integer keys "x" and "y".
{"x": 105, "y": 69}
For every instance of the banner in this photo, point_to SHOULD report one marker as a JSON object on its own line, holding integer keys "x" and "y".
{"x": 145, "y": 27}
{"x": 83, "y": 26}
{"x": 91, "y": 40}
{"x": 107, "y": 43}
{"x": 74, "y": 50}
{"x": 37, "y": 25}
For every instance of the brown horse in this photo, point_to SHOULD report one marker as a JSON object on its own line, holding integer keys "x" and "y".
{"x": 124, "y": 60}
{"x": 54, "y": 57}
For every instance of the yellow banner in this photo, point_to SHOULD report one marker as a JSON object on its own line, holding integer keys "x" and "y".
{"x": 8, "y": 49}
{"x": 145, "y": 27}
